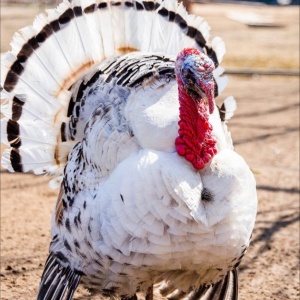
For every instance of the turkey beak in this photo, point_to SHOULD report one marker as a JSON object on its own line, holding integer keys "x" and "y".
{"x": 207, "y": 92}
{"x": 203, "y": 90}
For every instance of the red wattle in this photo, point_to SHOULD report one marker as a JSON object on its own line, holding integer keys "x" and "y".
{"x": 195, "y": 141}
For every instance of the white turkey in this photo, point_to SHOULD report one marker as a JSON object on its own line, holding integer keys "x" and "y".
{"x": 116, "y": 98}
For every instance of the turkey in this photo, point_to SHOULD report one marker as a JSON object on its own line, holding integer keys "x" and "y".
{"x": 117, "y": 100}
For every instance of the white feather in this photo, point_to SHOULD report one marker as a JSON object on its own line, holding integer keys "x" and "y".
{"x": 230, "y": 107}
{"x": 219, "y": 46}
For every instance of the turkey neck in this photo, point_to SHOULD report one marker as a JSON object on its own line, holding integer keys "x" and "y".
{"x": 195, "y": 141}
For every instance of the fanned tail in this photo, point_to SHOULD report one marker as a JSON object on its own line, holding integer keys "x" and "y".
{"x": 48, "y": 57}
{"x": 58, "y": 281}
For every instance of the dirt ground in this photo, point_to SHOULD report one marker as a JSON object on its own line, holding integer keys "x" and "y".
{"x": 265, "y": 130}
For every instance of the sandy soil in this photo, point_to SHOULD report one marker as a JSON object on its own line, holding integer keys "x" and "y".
{"x": 266, "y": 133}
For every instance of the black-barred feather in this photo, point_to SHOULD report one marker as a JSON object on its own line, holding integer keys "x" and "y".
{"x": 226, "y": 289}
{"x": 58, "y": 281}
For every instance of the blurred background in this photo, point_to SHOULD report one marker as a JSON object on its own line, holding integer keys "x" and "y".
{"x": 186, "y": 2}
{"x": 262, "y": 65}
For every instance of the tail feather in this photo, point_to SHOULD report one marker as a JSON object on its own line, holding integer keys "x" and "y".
{"x": 228, "y": 108}
{"x": 58, "y": 281}
{"x": 226, "y": 289}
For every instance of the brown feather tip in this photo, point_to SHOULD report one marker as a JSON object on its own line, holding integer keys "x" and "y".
{"x": 59, "y": 209}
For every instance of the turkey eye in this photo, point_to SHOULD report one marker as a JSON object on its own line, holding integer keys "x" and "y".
{"x": 189, "y": 77}
{"x": 206, "y": 195}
